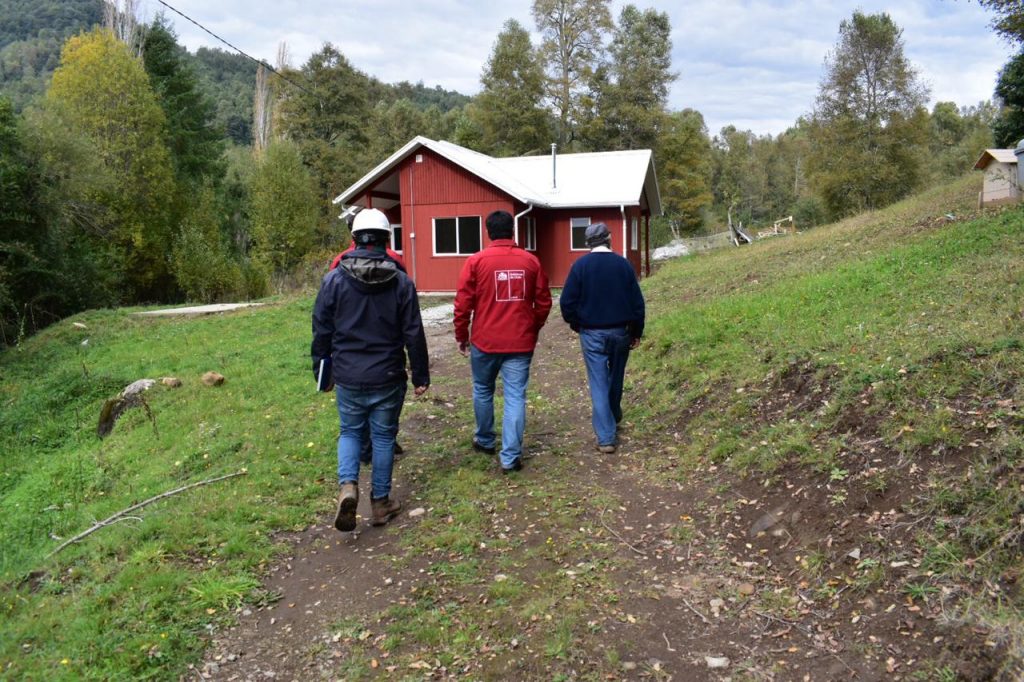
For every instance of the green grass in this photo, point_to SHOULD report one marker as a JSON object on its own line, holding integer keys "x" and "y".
{"x": 911, "y": 328}
{"x": 132, "y": 600}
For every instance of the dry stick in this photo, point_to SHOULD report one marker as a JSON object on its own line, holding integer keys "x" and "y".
{"x": 667, "y": 644}
{"x": 117, "y": 517}
{"x": 702, "y": 616}
{"x": 601, "y": 518}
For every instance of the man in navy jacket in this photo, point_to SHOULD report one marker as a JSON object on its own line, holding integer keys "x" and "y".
{"x": 366, "y": 317}
{"x": 602, "y": 301}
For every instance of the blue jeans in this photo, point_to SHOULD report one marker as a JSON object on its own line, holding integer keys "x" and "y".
{"x": 515, "y": 375}
{"x": 377, "y": 409}
{"x": 605, "y": 352}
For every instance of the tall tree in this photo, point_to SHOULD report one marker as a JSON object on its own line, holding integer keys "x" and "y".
{"x": 1008, "y": 128}
{"x": 195, "y": 143}
{"x": 327, "y": 119}
{"x": 509, "y": 108}
{"x": 394, "y": 125}
{"x": 684, "y": 170}
{"x": 1009, "y": 21}
{"x": 50, "y": 263}
{"x": 17, "y": 219}
{"x": 284, "y": 208}
{"x": 958, "y": 136}
{"x": 870, "y": 120}
{"x": 573, "y": 42}
{"x": 121, "y": 17}
{"x": 632, "y": 105}
{"x": 102, "y": 92}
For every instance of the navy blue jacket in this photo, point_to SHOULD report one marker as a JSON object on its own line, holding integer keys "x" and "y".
{"x": 366, "y": 316}
{"x": 602, "y": 292}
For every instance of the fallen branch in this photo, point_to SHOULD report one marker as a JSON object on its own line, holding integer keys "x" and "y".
{"x": 601, "y": 519}
{"x": 119, "y": 515}
{"x": 667, "y": 644}
{"x": 702, "y": 616}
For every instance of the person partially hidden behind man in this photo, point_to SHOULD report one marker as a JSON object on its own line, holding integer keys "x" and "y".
{"x": 602, "y": 301}
{"x": 503, "y": 296}
{"x": 366, "y": 317}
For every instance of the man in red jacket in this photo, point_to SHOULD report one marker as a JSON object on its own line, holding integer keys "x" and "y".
{"x": 503, "y": 294}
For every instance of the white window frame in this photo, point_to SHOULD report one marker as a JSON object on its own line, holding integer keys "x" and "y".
{"x": 530, "y": 233}
{"x": 572, "y": 225}
{"x": 396, "y": 245}
{"x": 458, "y": 252}
{"x": 634, "y": 234}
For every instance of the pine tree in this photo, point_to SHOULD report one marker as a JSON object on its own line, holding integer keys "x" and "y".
{"x": 195, "y": 144}
{"x": 509, "y": 108}
{"x": 327, "y": 118}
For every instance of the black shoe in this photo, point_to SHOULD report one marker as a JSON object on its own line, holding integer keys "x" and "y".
{"x": 517, "y": 465}
{"x": 399, "y": 450}
{"x": 487, "y": 451}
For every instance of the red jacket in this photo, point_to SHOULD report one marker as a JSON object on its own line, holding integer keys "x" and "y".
{"x": 505, "y": 292}
{"x": 352, "y": 246}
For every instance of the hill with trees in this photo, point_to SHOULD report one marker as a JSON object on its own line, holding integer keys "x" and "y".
{"x": 595, "y": 82}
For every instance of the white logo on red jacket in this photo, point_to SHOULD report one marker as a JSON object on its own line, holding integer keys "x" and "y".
{"x": 509, "y": 285}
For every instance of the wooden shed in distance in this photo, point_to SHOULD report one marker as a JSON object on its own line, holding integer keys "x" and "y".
{"x": 1001, "y": 183}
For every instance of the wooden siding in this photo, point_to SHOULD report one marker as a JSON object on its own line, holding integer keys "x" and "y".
{"x": 437, "y": 188}
{"x": 554, "y": 238}
{"x": 439, "y": 181}
{"x": 1000, "y": 186}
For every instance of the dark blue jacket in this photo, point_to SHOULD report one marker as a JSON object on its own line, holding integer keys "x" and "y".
{"x": 602, "y": 292}
{"x": 366, "y": 316}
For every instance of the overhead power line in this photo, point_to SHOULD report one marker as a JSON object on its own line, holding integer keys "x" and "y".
{"x": 239, "y": 51}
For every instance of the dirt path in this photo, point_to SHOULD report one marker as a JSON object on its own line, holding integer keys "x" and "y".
{"x": 584, "y": 566}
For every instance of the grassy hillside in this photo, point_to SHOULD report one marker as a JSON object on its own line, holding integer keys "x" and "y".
{"x": 878, "y": 362}
{"x": 874, "y": 365}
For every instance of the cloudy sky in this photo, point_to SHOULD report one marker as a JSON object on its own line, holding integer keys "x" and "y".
{"x": 754, "y": 64}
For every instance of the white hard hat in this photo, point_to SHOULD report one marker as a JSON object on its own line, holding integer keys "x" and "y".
{"x": 371, "y": 219}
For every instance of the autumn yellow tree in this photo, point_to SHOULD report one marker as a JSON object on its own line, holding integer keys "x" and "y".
{"x": 101, "y": 91}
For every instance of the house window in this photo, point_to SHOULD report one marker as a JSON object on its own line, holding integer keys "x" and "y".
{"x": 456, "y": 236}
{"x": 529, "y": 234}
{"x": 396, "y": 238}
{"x": 634, "y": 235}
{"x": 578, "y": 227}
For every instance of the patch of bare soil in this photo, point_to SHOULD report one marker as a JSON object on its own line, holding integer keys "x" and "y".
{"x": 712, "y": 579}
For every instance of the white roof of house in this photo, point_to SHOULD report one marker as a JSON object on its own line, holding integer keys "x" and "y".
{"x": 592, "y": 179}
{"x": 998, "y": 155}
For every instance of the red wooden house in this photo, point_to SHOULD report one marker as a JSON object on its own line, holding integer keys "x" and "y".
{"x": 438, "y": 195}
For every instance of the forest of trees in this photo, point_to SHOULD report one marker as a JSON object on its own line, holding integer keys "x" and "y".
{"x": 133, "y": 171}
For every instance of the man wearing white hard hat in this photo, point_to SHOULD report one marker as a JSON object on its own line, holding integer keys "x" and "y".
{"x": 366, "y": 319}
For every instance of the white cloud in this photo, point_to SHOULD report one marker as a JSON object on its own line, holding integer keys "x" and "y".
{"x": 754, "y": 64}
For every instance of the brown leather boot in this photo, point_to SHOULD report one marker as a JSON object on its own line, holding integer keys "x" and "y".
{"x": 384, "y": 510}
{"x": 348, "y": 500}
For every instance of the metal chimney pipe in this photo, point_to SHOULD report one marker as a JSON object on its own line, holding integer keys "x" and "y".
{"x": 554, "y": 165}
